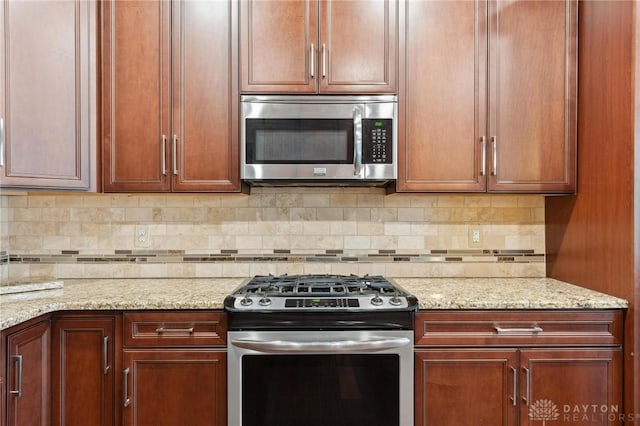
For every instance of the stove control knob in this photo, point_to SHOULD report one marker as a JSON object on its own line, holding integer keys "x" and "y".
{"x": 265, "y": 301}
{"x": 246, "y": 301}
{"x": 395, "y": 301}
{"x": 377, "y": 300}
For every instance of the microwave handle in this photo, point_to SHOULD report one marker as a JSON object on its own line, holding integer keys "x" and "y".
{"x": 357, "y": 140}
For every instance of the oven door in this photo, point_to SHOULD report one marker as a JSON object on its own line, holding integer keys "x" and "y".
{"x": 320, "y": 378}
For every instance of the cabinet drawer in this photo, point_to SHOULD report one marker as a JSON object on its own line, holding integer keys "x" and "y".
{"x": 523, "y": 328}
{"x": 175, "y": 329}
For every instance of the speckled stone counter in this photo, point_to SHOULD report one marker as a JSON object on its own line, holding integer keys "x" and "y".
{"x": 117, "y": 294}
{"x": 505, "y": 293}
{"x": 432, "y": 293}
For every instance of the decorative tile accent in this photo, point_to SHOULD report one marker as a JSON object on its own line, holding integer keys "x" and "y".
{"x": 302, "y": 230}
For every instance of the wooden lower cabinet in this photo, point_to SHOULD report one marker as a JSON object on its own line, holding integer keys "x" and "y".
{"x": 85, "y": 361}
{"x": 174, "y": 387}
{"x": 28, "y": 375}
{"x": 175, "y": 368}
{"x": 516, "y": 387}
{"x": 465, "y": 387}
{"x": 503, "y": 368}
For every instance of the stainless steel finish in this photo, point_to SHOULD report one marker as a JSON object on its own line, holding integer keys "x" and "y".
{"x": 331, "y": 342}
{"x": 324, "y": 60}
{"x": 105, "y": 355}
{"x": 251, "y": 302}
{"x": 527, "y": 392}
{"x": 533, "y": 329}
{"x": 163, "y": 154}
{"x": 175, "y": 154}
{"x": 161, "y": 330}
{"x": 357, "y": 144}
{"x": 312, "y": 62}
{"x": 317, "y": 107}
{"x": 494, "y": 141}
{"x": 286, "y": 346}
{"x": 126, "y": 401}
{"x": 18, "y": 391}
{"x": 483, "y": 142}
{"x": 514, "y": 397}
{"x": 330, "y": 293}
{"x": 1, "y": 142}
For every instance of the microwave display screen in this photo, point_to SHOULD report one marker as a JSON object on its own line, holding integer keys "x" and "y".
{"x": 299, "y": 141}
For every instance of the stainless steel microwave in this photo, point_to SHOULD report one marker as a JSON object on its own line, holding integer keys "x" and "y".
{"x": 326, "y": 140}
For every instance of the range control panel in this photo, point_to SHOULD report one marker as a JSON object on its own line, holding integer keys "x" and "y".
{"x": 377, "y": 141}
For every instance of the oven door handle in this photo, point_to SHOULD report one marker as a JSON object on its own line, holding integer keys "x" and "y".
{"x": 288, "y": 346}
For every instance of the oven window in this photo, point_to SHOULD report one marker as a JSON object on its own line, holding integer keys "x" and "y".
{"x": 287, "y": 141}
{"x": 321, "y": 390}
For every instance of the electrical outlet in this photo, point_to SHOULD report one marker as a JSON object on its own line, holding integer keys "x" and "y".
{"x": 141, "y": 237}
{"x": 475, "y": 237}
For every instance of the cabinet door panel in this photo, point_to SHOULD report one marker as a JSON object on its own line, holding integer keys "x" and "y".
{"x": 84, "y": 365}
{"x": 532, "y": 62}
{"x": 465, "y": 387}
{"x": 553, "y": 380}
{"x": 45, "y": 61}
{"x": 276, "y": 40}
{"x": 136, "y": 95}
{"x": 205, "y": 101}
{"x": 31, "y": 407}
{"x": 171, "y": 387}
{"x": 442, "y": 96}
{"x": 357, "y": 46}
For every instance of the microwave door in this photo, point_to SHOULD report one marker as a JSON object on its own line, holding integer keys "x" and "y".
{"x": 303, "y": 142}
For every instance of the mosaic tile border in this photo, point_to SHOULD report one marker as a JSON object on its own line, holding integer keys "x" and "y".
{"x": 328, "y": 256}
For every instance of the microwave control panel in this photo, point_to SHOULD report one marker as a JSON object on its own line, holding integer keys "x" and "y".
{"x": 377, "y": 143}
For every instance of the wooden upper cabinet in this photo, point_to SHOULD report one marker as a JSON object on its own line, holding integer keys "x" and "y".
{"x": 47, "y": 93}
{"x": 205, "y": 97}
{"x": 442, "y": 117}
{"x": 532, "y": 93}
{"x": 170, "y": 96}
{"x": 325, "y": 46}
{"x": 487, "y": 95}
{"x": 136, "y": 37}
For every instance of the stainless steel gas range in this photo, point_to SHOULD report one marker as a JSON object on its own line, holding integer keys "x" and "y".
{"x": 320, "y": 350}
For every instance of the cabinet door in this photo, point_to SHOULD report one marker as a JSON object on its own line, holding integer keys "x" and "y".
{"x": 278, "y": 46}
{"x": 135, "y": 93}
{"x": 172, "y": 387}
{"x": 532, "y": 84}
{"x": 465, "y": 387}
{"x": 84, "y": 366}
{"x": 46, "y": 93}
{"x": 580, "y": 386}
{"x": 357, "y": 46}
{"x": 205, "y": 97}
{"x": 28, "y": 376}
{"x": 442, "y": 96}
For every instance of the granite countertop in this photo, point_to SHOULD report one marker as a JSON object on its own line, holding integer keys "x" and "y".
{"x": 209, "y": 293}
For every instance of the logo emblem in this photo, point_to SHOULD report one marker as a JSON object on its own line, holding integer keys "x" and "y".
{"x": 543, "y": 409}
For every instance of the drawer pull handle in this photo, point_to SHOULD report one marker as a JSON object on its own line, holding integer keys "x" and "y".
{"x": 527, "y": 397}
{"x": 105, "y": 355}
{"x": 161, "y": 330}
{"x": 534, "y": 329}
{"x": 18, "y": 391}
{"x": 514, "y": 398}
{"x": 126, "y": 401}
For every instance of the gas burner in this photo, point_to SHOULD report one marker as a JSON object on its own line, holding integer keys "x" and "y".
{"x": 319, "y": 293}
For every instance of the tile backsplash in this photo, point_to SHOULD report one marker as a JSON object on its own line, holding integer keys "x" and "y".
{"x": 273, "y": 230}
